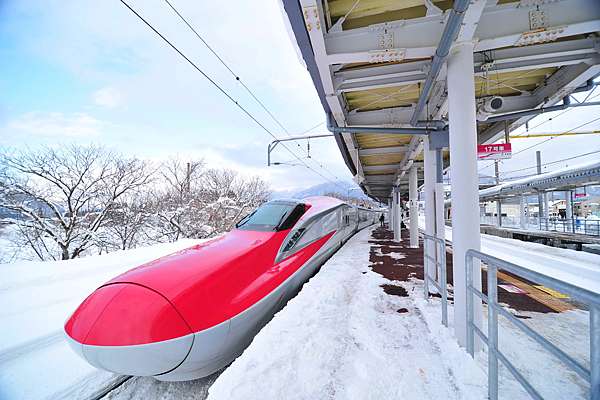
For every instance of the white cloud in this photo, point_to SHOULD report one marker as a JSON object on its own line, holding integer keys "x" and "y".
{"x": 57, "y": 124}
{"x": 107, "y": 97}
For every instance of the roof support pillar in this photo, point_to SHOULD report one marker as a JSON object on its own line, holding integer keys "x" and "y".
{"x": 440, "y": 221}
{"x": 414, "y": 207}
{"x": 397, "y": 215}
{"x": 522, "y": 212}
{"x": 391, "y": 213}
{"x": 429, "y": 192}
{"x": 463, "y": 170}
{"x": 569, "y": 210}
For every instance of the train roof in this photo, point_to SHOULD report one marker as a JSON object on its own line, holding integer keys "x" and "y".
{"x": 321, "y": 203}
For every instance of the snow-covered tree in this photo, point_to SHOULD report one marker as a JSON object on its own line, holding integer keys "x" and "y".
{"x": 199, "y": 203}
{"x": 127, "y": 222}
{"x": 231, "y": 196}
{"x": 177, "y": 204}
{"x": 63, "y": 195}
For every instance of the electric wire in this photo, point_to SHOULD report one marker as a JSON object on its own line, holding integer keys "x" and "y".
{"x": 250, "y": 92}
{"x": 551, "y": 163}
{"x": 564, "y": 112}
{"x": 546, "y": 140}
{"x": 223, "y": 91}
{"x": 554, "y": 137}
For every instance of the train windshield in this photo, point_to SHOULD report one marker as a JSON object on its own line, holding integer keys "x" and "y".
{"x": 272, "y": 216}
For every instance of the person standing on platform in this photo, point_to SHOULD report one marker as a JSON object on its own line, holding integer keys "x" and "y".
{"x": 381, "y": 219}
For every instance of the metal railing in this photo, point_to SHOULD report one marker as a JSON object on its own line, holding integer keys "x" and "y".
{"x": 574, "y": 225}
{"x": 552, "y": 224}
{"x": 592, "y": 375}
{"x": 440, "y": 267}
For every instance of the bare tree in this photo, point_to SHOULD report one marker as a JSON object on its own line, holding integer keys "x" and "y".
{"x": 230, "y": 196}
{"x": 126, "y": 222}
{"x": 64, "y": 195}
{"x": 177, "y": 205}
{"x": 198, "y": 203}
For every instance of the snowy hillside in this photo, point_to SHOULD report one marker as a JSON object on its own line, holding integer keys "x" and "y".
{"x": 37, "y": 298}
{"x": 343, "y": 188}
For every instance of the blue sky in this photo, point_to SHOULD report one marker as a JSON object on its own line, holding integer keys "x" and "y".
{"x": 90, "y": 72}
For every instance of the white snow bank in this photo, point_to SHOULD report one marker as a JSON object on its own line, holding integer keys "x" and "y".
{"x": 343, "y": 338}
{"x": 37, "y": 298}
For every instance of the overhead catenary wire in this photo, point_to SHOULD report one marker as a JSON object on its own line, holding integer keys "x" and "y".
{"x": 241, "y": 82}
{"x": 554, "y": 137}
{"x": 565, "y": 111}
{"x": 546, "y": 140}
{"x": 551, "y": 163}
{"x": 223, "y": 91}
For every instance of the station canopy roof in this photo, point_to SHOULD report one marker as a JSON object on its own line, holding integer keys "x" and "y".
{"x": 369, "y": 60}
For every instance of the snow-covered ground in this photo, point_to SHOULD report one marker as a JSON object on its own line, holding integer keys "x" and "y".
{"x": 567, "y": 330}
{"x": 342, "y": 337}
{"x": 37, "y": 298}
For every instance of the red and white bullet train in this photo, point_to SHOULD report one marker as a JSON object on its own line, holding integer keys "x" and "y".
{"x": 188, "y": 314}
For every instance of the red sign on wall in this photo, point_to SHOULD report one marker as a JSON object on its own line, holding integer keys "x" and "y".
{"x": 498, "y": 151}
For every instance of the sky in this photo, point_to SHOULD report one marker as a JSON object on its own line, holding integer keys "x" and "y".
{"x": 91, "y": 72}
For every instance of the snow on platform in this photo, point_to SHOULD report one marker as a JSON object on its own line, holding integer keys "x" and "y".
{"x": 342, "y": 337}
{"x": 576, "y": 267}
{"x": 569, "y": 330}
{"x": 37, "y": 298}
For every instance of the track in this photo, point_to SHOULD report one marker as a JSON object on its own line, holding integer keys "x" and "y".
{"x": 138, "y": 388}
{"x": 103, "y": 392}
{"x": 29, "y": 346}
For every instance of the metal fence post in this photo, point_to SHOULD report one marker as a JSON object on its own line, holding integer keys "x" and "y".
{"x": 469, "y": 302}
{"x": 594, "y": 352}
{"x": 426, "y": 266}
{"x": 492, "y": 293}
{"x": 443, "y": 283}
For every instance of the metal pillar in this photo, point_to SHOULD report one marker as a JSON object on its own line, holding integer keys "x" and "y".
{"x": 397, "y": 216}
{"x": 440, "y": 221}
{"x": 538, "y": 159}
{"x": 569, "y": 210}
{"x": 391, "y": 213}
{"x": 430, "y": 217}
{"x": 498, "y": 201}
{"x": 414, "y": 207}
{"x": 435, "y": 224}
{"x": 465, "y": 182}
{"x": 594, "y": 352}
{"x": 522, "y": 216}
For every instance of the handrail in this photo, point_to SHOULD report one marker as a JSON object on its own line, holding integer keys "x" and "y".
{"x": 592, "y": 299}
{"x": 574, "y": 224}
{"x": 440, "y": 267}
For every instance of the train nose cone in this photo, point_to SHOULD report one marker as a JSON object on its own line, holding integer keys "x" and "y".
{"x": 129, "y": 329}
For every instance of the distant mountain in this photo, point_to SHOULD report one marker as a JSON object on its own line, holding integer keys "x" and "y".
{"x": 343, "y": 188}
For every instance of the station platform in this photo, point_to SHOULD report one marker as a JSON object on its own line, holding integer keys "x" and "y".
{"x": 549, "y": 238}
{"x": 361, "y": 328}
